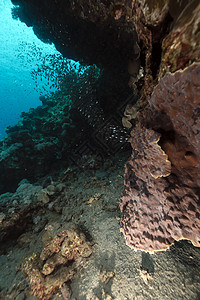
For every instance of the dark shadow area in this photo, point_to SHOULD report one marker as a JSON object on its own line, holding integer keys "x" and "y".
{"x": 106, "y": 265}
{"x": 186, "y": 253}
{"x": 147, "y": 263}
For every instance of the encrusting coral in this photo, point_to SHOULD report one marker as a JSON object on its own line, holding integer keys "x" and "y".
{"x": 161, "y": 200}
{"x": 44, "y": 287}
{"x": 48, "y": 271}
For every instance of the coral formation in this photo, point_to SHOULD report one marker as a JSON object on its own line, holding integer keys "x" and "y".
{"x": 39, "y": 148}
{"x": 157, "y": 210}
{"x": 48, "y": 271}
{"x": 44, "y": 287}
{"x": 48, "y": 137}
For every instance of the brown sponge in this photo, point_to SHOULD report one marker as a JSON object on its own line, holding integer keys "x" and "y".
{"x": 161, "y": 199}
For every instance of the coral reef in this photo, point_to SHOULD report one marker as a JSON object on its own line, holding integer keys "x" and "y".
{"x": 161, "y": 201}
{"x": 161, "y": 197}
{"x": 48, "y": 137}
{"x": 48, "y": 271}
{"x": 156, "y": 44}
{"x": 40, "y": 150}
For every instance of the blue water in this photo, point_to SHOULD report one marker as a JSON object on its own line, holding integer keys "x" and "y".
{"x": 21, "y": 52}
{"x": 17, "y": 88}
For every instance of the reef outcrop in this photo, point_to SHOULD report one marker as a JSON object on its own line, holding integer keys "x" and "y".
{"x": 52, "y": 268}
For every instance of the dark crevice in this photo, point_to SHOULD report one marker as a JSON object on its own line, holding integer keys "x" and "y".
{"x": 156, "y": 59}
{"x": 158, "y": 34}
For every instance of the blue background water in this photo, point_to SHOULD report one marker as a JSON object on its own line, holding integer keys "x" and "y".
{"x": 18, "y": 56}
{"x": 21, "y": 52}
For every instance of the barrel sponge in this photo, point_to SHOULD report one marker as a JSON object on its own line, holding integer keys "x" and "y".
{"x": 161, "y": 198}
{"x": 178, "y": 96}
{"x": 149, "y": 158}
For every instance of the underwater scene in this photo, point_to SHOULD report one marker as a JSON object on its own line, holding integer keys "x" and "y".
{"x": 99, "y": 150}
